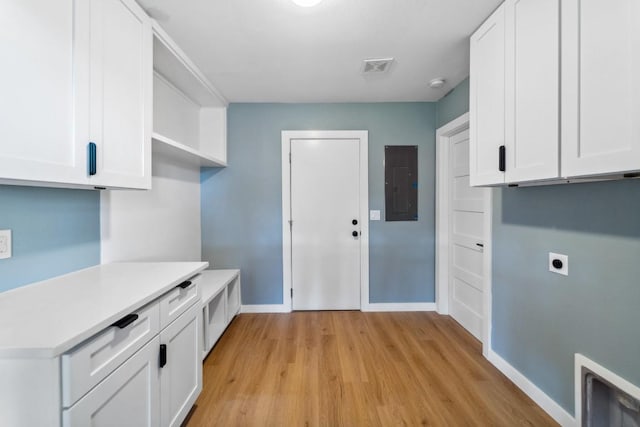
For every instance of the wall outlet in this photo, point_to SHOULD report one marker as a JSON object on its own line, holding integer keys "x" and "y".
{"x": 374, "y": 215}
{"x": 559, "y": 263}
{"x": 5, "y": 244}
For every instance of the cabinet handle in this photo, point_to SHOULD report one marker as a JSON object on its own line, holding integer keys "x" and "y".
{"x": 92, "y": 154}
{"x": 125, "y": 321}
{"x": 480, "y": 245}
{"x": 163, "y": 355}
{"x": 184, "y": 284}
{"x": 501, "y": 159}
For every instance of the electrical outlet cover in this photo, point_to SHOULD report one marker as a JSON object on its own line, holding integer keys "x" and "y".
{"x": 5, "y": 244}
{"x": 564, "y": 270}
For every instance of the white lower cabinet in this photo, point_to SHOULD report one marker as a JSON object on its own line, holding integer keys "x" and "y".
{"x": 144, "y": 370}
{"x": 180, "y": 367}
{"x": 130, "y": 396}
{"x": 113, "y": 345}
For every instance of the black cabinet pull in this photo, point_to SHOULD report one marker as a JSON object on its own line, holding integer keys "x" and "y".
{"x": 92, "y": 155}
{"x": 184, "y": 284}
{"x": 354, "y": 234}
{"x": 480, "y": 245}
{"x": 354, "y": 222}
{"x": 501, "y": 159}
{"x": 163, "y": 355}
{"x": 125, "y": 321}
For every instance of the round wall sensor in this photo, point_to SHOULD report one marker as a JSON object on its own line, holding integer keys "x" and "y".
{"x": 436, "y": 83}
{"x": 306, "y": 3}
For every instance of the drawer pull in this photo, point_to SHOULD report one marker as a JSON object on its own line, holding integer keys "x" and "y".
{"x": 184, "y": 284}
{"x": 125, "y": 321}
{"x": 163, "y": 355}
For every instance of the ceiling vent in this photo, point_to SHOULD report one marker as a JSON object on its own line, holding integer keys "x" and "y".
{"x": 376, "y": 66}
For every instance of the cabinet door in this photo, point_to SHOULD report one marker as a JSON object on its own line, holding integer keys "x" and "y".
{"x": 38, "y": 140}
{"x": 181, "y": 376}
{"x": 127, "y": 397}
{"x": 121, "y": 90}
{"x": 600, "y": 87}
{"x": 532, "y": 76}
{"x": 487, "y": 102}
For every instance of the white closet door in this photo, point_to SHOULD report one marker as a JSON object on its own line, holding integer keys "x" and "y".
{"x": 532, "y": 77}
{"x": 467, "y": 239}
{"x": 129, "y": 397}
{"x": 121, "y": 88}
{"x": 487, "y": 100}
{"x": 600, "y": 86}
{"x": 37, "y": 133}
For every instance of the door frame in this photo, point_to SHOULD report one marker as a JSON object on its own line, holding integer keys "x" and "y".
{"x": 287, "y": 265}
{"x": 443, "y": 153}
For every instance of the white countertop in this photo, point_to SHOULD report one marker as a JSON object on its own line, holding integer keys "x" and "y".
{"x": 47, "y": 318}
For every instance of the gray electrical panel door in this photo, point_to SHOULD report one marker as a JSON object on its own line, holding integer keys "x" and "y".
{"x": 401, "y": 182}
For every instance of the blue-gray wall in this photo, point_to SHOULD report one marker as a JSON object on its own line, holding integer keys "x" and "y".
{"x": 540, "y": 319}
{"x": 54, "y": 232}
{"x": 454, "y": 104}
{"x": 242, "y": 204}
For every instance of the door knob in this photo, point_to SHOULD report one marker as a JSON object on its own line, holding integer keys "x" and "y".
{"x": 354, "y": 222}
{"x": 354, "y": 234}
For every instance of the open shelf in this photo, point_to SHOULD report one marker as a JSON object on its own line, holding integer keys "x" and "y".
{"x": 220, "y": 291}
{"x": 167, "y": 147}
{"x": 189, "y": 114}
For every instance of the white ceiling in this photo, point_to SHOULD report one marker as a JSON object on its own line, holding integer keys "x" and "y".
{"x": 275, "y": 51}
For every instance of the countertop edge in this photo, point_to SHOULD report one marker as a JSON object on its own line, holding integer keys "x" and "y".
{"x": 53, "y": 352}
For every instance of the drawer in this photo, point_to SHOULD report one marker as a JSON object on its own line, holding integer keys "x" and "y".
{"x": 178, "y": 300}
{"x": 90, "y": 362}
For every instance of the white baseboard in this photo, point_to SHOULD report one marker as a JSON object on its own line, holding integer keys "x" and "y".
{"x": 264, "y": 308}
{"x": 281, "y": 308}
{"x": 402, "y": 306}
{"x": 556, "y": 412}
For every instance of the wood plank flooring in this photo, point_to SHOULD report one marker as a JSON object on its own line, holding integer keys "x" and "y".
{"x": 355, "y": 369}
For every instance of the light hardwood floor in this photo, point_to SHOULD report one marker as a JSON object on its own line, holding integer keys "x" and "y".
{"x": 355, "y": 369}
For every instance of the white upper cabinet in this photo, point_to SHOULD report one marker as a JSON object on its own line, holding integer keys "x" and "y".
{"x": 487, "y": 102}
{"x": 75, "y": 72}
{"x": 514, "y": 94}
{"x": 121, "y": 93}
{"x": 600, "y": 87}
{"x": 569, "y": 91}
{"x": 532, "y": 77}
{"x": 38, "y": 140}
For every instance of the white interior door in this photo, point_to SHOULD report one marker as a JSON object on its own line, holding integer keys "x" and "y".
{"x": 325, "y": 203}
{"x": 466, "y": 237}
